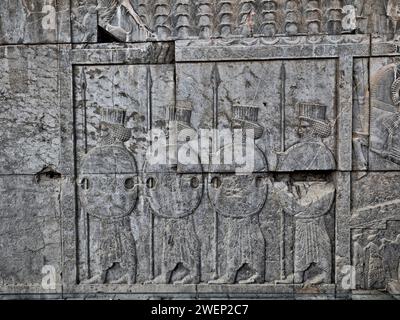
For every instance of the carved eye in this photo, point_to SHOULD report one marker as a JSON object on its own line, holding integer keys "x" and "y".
{"x": 85, "y": 185}
{"x": 151, "y": 183}
{"x": 216, "y": 182}
{"x": 194, "y": 183}
{"x": 129, "y": 183}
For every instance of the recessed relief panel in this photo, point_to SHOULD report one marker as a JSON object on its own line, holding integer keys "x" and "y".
{"x": 375, "y": 232}
{"x": 385, "y": 102}
{"x": 143, "y": 93}
{"x": 290, "y": 106}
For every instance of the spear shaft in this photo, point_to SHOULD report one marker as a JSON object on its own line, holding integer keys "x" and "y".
{"x": 216, "y": 81}
{"x": 283, "y": 129}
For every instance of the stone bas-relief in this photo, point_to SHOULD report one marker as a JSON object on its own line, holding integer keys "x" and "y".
{"x": 310, "y": 153}
{"x": 375, "y": 237}
{"x": 297, "y": 113}
{"x": 309, "y": 203}
{"x": 313, "y": 215}
{"x": 165, "y": 20}
{"x": 50, "y": 21}
{"x": 384, "y": 116}
{"x": 188, "y": 210}
{"x": 173, "y": 198}
{"x": 109, "y": 190}
{"x": 237, "y": 201}
{"x": 376, "y": 259}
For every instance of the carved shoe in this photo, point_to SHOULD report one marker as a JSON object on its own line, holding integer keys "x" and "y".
{"x": 189, "y": 279}
{"x": 97, "y": 279}
{"x": 223, "y": 280}
{"x": 254, "y": 279}
{"x": 161, "y": 279}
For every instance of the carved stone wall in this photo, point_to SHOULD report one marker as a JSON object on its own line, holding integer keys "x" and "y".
{"x": 87, "y": 85}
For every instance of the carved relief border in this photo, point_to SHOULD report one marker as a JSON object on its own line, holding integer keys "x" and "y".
{"x": 343, "y": 48}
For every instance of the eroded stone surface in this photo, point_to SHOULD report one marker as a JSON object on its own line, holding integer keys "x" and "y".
{"x": 30, "y": 109}
{"x": 313, "y": 214}
{"x": 35, "y": 21}
{"x": 30, "y": 230}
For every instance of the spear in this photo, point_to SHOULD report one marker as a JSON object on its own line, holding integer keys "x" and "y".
{"x": 283, "y": 129}
{"x": 149, "y": 84}
{"x": 83, "y": 83}
{"x": 283, "y": 105}
{"x": 216, "y": 81}
{"x": 84, "y": 101}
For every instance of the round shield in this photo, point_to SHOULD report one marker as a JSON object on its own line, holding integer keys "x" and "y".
{"x": 173, "y": 195}
{"x": 108, "y": 182}
{"x": 235, "y": 192}
{"x": 174, "y": 190}
{"x": 237, "y": 196}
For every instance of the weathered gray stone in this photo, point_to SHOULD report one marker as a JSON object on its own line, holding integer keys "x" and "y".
{"x": 35, "y": 21}
{"x": 30, "y": 113}
{"x": 375, "y": 231}
{"x": 98, "y": 94}
{"x": 30, "y": 232}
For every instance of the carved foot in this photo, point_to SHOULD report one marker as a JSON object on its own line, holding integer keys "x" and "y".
{"x": 97, "y": 279}
{"x": 292, "y": 279}
{"x": 254, "y": 279}
{"x": 223, "y": 280}
{"x": 125, "y": 279}
{"x": 161, "y": 279}
{"x": 189, "y": 279}
{"x": 394, "y": 287}
{"x": 318, "y": 279}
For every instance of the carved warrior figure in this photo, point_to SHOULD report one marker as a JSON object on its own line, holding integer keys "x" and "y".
{"x": 173, "y": 198}
{"x": 309, "y": 203}
{"x": 392, "y": 263}
{"x": 377, "y": 262}
{"x": 310, "y": 153}
{"x": 375, "y": 13}
{"x": 360, "y": 115}
{"x": 238, "y": 200}
{"x": 109, "y": 191}
{"x": 119, "y": 12}
{"x": 358, "y": 260}
{"x": 375, "y": 272}
{"x": 387, "y": 98}
{"x": 393, "y": 12}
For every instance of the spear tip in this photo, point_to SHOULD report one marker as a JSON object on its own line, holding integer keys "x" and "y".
{"x": 215, "y": 76}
